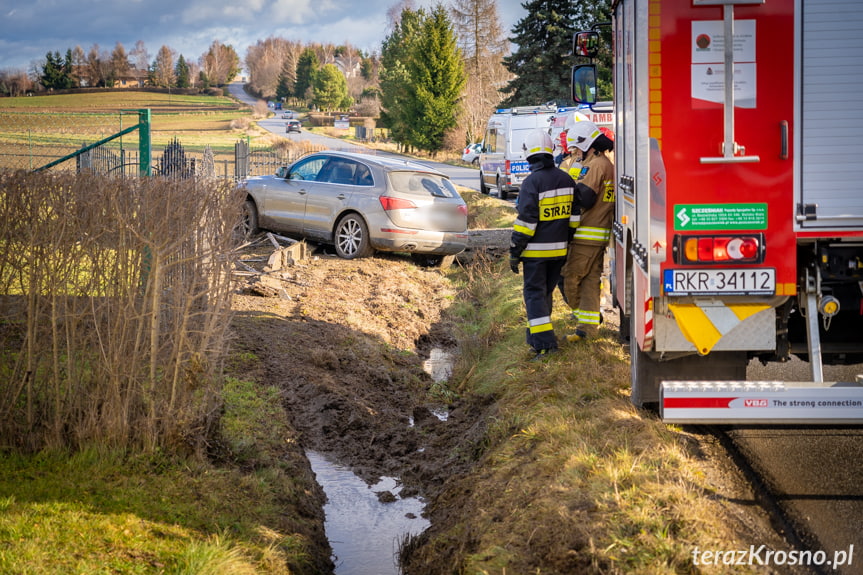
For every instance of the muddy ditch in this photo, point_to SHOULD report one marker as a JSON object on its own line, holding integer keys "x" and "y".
{"x": 355, "y": 347}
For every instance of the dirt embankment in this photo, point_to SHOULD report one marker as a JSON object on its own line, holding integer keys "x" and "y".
{"x": 345, "y": 341}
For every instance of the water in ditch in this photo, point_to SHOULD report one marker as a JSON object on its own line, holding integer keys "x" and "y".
{"x": 363, "y": 531}
{"x": 365, "y": 523}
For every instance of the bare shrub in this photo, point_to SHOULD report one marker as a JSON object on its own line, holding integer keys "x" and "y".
{"x": 114, "y": 301}
{"x": 260, "y": 109}
{"x": 241, "y": 123}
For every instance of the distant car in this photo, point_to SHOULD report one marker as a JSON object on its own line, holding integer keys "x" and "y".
{"x": 471, "y": 153}
{"x": 293, "y": 126}
{"x": 289, "y": 115}
{"x": 360, "y": 203}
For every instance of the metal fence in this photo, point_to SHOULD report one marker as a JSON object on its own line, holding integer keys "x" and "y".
{"x": 65, "y": 142}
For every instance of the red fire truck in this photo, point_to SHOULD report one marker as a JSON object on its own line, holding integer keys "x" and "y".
{"x": 738, "y": 233}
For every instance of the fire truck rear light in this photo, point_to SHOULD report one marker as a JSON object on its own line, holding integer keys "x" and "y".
{"x": 719, "y": 249}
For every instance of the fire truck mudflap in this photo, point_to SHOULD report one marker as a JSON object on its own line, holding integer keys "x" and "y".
{"x": 736, "y": 402}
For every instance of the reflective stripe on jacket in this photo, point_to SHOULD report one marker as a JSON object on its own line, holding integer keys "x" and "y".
{"x": 544, "y": 212}
{"x": 597, "y": 173}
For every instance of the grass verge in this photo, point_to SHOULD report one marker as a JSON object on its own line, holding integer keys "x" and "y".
{"x": 570, "y": 477}
{"x": 102, "y": 511}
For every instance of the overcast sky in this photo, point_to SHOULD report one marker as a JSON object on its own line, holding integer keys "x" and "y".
{"x": 30, "y": 28}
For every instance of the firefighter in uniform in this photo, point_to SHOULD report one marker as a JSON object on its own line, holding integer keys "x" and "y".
{"x": 539, "y": 237}
{"x": 569, "y": 163}
{"x": 594, "y": 192}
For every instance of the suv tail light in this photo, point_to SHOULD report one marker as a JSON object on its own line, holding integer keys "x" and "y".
{"x": 390, "y": 203}
{"x": 719, "y": 249}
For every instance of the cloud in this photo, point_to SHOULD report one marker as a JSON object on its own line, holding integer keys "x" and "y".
{"x": 31, "y": 29}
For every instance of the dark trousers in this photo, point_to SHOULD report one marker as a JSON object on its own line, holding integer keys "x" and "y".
{"x": 540, "y": 278}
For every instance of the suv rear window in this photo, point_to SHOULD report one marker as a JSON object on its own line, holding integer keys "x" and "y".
{"x": 420, "y": 183}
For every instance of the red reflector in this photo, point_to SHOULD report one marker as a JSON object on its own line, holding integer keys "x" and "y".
{"x": 462, "y": 209}
{"x": 743, "y": 248}
{"x": 390, "y": 203}
{"x": 705, "y": 249}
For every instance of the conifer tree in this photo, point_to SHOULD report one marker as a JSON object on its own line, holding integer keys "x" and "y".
{"x": 307, "y": 65}
{"x": 395, "y": 56}
{"x": 182, "y": 73}
{"x": 330, "y": 89}
{"x": 436, "y": 80}
{"x": 543, "y": 60}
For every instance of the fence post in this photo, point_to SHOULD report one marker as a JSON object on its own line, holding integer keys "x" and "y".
{"x": 144, "y": 160}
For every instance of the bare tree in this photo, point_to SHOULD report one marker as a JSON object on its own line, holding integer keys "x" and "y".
{"x": 94, "y": 72}
{"x": 394, "y": 14}
{"x": 15, "y": 82}
{"x": 79, "y": 65}
{"x": 163, "y": 68}
{"x": 119, "y": 64}
{"x": 220, "y": 63}
{"x": 141, "y": 60}
{"x": 483, "y": 44}
{"x": 268, "y": 61}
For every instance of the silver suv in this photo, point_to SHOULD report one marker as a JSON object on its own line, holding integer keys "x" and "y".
{"x": 360, "y": 203}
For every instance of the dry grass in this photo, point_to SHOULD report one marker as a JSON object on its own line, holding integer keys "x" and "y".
{"x": 571, "y": 477}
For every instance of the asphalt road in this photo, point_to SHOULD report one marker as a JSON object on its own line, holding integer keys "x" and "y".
{"x": 814, "y": 473}
{"x": 460, "y": 175}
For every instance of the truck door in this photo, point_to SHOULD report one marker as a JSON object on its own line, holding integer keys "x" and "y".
{"x": 830, "y": 117}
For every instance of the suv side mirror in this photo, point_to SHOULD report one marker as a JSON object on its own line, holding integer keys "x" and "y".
{"x": 584, "y": 84}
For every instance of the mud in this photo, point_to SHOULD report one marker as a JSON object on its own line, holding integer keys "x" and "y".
{"x": 346, "y": 342}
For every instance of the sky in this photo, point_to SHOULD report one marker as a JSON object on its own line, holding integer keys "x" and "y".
{"x": 30, "y": 29}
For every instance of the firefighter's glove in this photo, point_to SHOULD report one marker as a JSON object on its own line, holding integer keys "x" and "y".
{"x": 513, "y": 263}
{"x": 515, "y": 249}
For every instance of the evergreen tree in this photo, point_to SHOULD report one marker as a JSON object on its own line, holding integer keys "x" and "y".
{"x": 307, "y": 65}
{"x": 395, "y": 55}
{"x": 56, "y": 73}
{"x": 330, "y": 89}
{"x": 543, "y": 60}
{"x": 68, "y": 70}
{"x": 182, "y": 73}
{"x": 544, "y": 40}
{"x": 436, "y": 80}
{"x": 287, "y": 80}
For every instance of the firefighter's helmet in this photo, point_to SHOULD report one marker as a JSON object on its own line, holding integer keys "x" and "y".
{"x": 582, "y": 134}
{"x": 573, "y": 119}
{"x": 537, "y": 142}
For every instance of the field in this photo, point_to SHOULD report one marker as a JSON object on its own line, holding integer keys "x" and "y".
{"x": 39, "y": 129}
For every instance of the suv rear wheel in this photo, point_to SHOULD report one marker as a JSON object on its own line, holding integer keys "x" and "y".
{"x": 352, "y": 238}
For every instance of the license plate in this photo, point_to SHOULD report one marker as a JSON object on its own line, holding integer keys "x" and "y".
{"x": 752, "y": 281}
